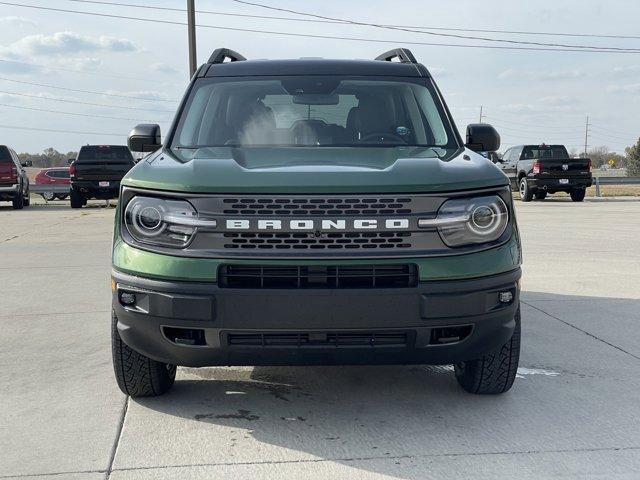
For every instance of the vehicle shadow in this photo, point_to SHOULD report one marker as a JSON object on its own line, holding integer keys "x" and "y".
{"x": 390, "y": 420}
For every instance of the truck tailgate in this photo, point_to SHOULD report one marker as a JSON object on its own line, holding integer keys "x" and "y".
{"x": 565, "y": 167}
{"x": 96, "y": 170}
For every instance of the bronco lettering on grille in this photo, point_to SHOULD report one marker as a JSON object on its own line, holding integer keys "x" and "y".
{"x": 318, "y": 225}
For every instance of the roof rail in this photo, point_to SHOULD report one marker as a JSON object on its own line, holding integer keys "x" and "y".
{"x": 402, "y": 54}
{"x": 220, "y": 54}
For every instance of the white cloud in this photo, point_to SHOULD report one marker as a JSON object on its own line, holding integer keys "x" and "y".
{"x": 163, "y": 68}
{"x": 146, "y": 94}
{"x": 627, "y": 71}
{"x": 18, "y": 21}
{"x": 541, "y": 74}
{"x": 80, "y": 63}
{"x": 629, "y": 88}
{"x": 64, "y": 43}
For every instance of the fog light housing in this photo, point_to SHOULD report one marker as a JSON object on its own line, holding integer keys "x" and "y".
{"x": 505, "y": 297}
{"x": 127, "y": 298}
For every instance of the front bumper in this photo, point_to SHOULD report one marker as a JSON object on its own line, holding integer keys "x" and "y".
{"x": 554, "y": 185}
{"x": 311, "y": 325}
{"x": 92, "y": 189}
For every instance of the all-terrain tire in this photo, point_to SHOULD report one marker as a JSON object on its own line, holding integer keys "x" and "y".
{"x": 526, "y": 195}
{"x": 138, "y": 375}
{"x": 77, "y": 200}
{"x": 18, "y": 201}
{"x": 577, "y": 195}
{"x": 495, "y": 372}
{"x": 541, "y": 195}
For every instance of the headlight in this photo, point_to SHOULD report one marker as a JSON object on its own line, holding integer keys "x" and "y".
{"x": 468, "y": 221}
{"x": 168, "y": 223}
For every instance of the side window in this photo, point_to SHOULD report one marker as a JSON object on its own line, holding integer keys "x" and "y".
{"x": 507, "y": 156}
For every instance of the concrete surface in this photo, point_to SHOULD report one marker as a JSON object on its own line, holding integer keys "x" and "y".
{"x": 573, "y": 413}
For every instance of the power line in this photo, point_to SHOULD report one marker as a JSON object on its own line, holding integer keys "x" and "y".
{"x": 410, "y": 30}
{"x": 15, "y": 127}
{"x": 66, "y": 100}
{"x": 91, "y": 115}
{"x": 306, "y": 20}
{"x": 328, "y": 37}
{"x": 86, "y": 91}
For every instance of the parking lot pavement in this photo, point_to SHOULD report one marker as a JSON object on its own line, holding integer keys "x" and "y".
{"x": 573, "y": 413}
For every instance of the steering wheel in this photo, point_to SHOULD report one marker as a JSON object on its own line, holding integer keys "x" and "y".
{"x": 383, "y": 137}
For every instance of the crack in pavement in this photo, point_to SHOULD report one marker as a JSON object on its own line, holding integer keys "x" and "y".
{"x": 114, "y": 448}
{"x": 569, "y": 324}
{"x": 346, "y": 459}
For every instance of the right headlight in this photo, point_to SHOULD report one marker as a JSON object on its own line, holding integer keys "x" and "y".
{"x": 163, "y": 222}
{"x": 468, "y": 221}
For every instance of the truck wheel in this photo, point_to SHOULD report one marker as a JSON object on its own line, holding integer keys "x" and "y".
{"x": 138, "y": 375}
{"x": 495, "y": 372}
{"x": 27, "y": 197}
{"x": 541, "y": 195}
{"x": 526, "y": 195}
{"x": 48, "y": 196}
{"x": 18, "y": 201}
{"x": 577, "y": 195}
{"x": 76, "y": 200}
{"x": 61, "y": 197}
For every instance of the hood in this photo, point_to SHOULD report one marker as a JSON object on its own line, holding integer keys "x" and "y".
{"x": 316, "y": 170}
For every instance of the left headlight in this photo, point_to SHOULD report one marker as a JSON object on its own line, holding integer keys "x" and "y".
{"x": 162, "y": 222}
{"x": 467, "y": 221}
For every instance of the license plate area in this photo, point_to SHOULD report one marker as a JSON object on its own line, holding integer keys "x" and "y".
{"x": 103, "y": 184}
{"x": 563, "y": 181}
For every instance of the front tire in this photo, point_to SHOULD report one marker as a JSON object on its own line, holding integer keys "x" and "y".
{"x": 138, "y": 375}
{"x": 494, "y": 372}
{"x": 577, "y": 195}
{"x": 77, "y": 200}
{"x": 526, "y": 195}
{"x": 541, "y": 195}
{"x": 18, "y": 201}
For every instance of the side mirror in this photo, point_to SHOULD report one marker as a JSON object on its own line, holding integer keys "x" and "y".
{"x": 482, "y": 137}
{"x": 145, "y": 138}
{"x": 27, "y": 163}
{"x": 494, "y": 157}
{"x": 70, "y": 161}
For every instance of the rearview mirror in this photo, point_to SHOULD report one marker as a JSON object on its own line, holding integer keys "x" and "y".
{"x": 482, "y": 137}
{"x": 145, "y": 138}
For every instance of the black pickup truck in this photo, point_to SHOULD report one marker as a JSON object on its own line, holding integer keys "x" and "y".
{"x": 536, "y": 170}
{"x": 97, "y": 171}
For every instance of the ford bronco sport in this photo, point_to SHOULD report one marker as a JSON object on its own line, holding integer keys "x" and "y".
{"x": 315, "y": 212}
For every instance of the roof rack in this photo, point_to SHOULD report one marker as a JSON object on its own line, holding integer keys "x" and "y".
{"x": 219, "y": 55}
{"x": 402, "y": 54}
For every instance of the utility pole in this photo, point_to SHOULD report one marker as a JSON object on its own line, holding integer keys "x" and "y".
{"x": 586, "y": 136}
{"x": 481, "y": 116}
{"x": 191, "y": 31}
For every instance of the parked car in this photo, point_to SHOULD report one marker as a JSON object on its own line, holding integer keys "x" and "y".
{"x": 97, "y": 171}
{"x": 315, "y": 212}
{"x": 14, "y": 182}
{"x": 53, "y": 176}
{"x": 536, "y": 170}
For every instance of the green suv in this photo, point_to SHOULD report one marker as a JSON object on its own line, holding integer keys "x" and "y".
{"x": 305, "y": 212}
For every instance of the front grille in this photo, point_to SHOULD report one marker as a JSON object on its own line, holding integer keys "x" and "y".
{"x": 317, "y": 206}
{"x": 301, "y": 277}
{"x": 306, "y": 241}
{"x": 319, "y": 339}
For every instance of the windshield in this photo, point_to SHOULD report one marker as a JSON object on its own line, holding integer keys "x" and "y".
{"x": 315, "y": 111}
{"x": 544, "y": 151}
{"x": 118, "y": 153}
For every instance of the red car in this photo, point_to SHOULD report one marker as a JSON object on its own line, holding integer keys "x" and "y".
{"x": 53, "y": 176}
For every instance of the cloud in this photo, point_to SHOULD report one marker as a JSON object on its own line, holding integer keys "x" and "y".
{"x": 146, "y": 94}
{"x": 164, "y": 68}
{"x": 64, "y": 43}
{"x": 80, "y": 63}
{"x": 18, "y": 21}
{"x": 545, "y": 105}
{"x": 559, "y": 101}
{"x": 438, "y": 72}
{"x": 546, "y": 75}
{"x": 627, "y": 71}
{"x": 628, "y": 88}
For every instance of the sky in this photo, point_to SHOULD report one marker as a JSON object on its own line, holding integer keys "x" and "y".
{"x": 97, "y": 64}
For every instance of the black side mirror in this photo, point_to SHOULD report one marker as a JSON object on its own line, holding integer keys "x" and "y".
{"x": 27, "y": 163}
{"x": 70, "y": 161}
{"x": 482, "y": 137}
{"x": 145, "y": 138}
{"x": 494, "y": 157}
